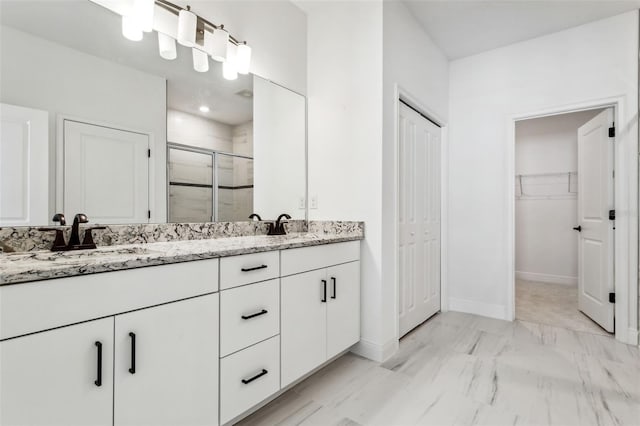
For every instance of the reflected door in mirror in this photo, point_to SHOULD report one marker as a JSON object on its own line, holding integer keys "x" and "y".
{"x": 106, "y": 173}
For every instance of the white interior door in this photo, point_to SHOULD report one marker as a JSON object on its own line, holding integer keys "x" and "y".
{"x": 24, "y": 166}
{"x": 106, "y": 173}
{"x": 595, "y": 199}
{"x": 419, "y": 219}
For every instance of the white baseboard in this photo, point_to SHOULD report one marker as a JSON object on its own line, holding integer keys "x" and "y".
{"x": 479, "y": 308}
{"x": 632, "y": 337}
{"x": 374, "y": 351}
{"x": 547, "y": 278}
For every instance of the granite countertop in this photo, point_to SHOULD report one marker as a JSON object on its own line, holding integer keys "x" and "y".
{"x": 42, "y": 265}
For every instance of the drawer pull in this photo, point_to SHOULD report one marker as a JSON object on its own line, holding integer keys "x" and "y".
{"x": 257, "y": 376}
{"x": 255, "y": 268}
{"x": 324, "y": 291}
{"x": 333, "y": 279}
{"x": 257, "y": 314}
{"x": 98, "y": 381}
{"x": 132, "y": 369}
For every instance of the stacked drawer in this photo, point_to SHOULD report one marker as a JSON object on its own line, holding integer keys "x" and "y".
{"x": 249, "y": 331}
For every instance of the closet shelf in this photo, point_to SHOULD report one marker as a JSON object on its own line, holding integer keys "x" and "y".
{"x": 547, "y": 186}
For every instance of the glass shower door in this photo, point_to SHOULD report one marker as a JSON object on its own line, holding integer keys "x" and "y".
{"x": 235, "y": 187}
{"x": 191, "y": 196}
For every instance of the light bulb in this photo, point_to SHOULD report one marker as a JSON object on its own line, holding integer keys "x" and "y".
{"x": 130, "y": 28}
{"x": 220, "y": 43}
{"x": 229, "y": 71}
{"x": 187, "y": 23}
{"x": 243, "y": 58}
{"x": 167, "y": 47}
{"x": 143, "y": 11}
{"x": 200, "y": 60}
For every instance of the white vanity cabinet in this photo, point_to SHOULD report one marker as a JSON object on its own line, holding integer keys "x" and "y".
{"x": 57, "y": 377}
{"x": 165, "y": 371}
{"x": 320, "y": 309}
{"x": 88, "y": 373}
{"x": 193, "y": 343}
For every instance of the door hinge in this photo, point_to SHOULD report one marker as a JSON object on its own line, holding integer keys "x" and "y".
{"x": 148, "y": 153}
{"x": 612, "y": 215}
{"x": 148, "y": 214}
{"x": 612, "y": 298}
{"x": 612, "y": 131}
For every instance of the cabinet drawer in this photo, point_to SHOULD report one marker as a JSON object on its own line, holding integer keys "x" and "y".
{"x": 248, "y": 315}
{"x": 248, "y": 377}
{"x": 295, "y": 261}
{"x": 249, "y": 268}
{"x": 30, "y": 307}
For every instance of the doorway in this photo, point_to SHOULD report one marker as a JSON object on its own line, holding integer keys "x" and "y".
{"x": 419, "y": 234}
{"x": 564, "y": 192}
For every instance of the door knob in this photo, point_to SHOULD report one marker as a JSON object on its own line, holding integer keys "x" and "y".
{"x": 577, "y": 228}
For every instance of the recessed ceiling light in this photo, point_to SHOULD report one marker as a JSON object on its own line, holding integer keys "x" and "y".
{"x": 204, "y": 108}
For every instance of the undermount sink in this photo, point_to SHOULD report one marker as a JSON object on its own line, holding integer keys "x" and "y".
{"x": 79, "y": 254}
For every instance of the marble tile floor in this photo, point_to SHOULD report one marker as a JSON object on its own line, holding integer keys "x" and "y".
{"x": 462, "y": 369}
{"x": 552, "y": 304}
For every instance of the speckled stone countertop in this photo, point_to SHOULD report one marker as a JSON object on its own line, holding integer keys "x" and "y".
{"x": 29, "y": 266}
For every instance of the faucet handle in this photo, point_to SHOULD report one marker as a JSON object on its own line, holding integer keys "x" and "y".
{"x": 59, "y": 217}
{"x": 81, "y": 218}
{"x": 58, "y": 243}
{"x": 87, "y": 240}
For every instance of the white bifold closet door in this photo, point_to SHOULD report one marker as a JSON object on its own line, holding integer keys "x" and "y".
{"x": 595, "y": 199}
{"x": 419, "y": 219}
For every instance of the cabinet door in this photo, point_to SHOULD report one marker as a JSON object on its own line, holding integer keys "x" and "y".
{"x": 52, "y": 378}
{"x": 303, "y": 326}
{"x": 343, "y": 308}
{"x": 171, "y": 377}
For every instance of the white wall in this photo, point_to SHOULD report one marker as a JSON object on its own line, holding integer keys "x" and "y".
{"x": 345, "y": 132}
{"x": 414, "y": 63}
{"x": 352, "y": 113}
{"x": 546, "y": 244}
{"x": 189, "y": 129}
{"x": 588, "y": 63}
{"x": 275, "y": 29}
{"x": 43, "y": 75}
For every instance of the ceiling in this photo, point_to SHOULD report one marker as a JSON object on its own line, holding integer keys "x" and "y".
{"x": 92, "y": 29}
{"x": 464, "y": 28}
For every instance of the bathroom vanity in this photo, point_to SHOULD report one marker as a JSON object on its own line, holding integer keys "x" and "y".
{"x": 187, "y": 332}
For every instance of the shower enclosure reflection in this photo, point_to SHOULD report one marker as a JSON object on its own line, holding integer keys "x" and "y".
{"x": 208, "y": 185}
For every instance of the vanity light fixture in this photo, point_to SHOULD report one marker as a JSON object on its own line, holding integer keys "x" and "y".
{"x": 131, "y": 30}
{"x": 167, "y": 47}
{"x": 187, "y": 25}
{"x": 200, "y": 60}
{"x": 229, "y": 67}
{"x": 220, "y": 43}
{"x": 243, "y": 58}
{"x": 204, "y": 108}
{"x": 143, "y": 11}
{"x": 205, "y": 38}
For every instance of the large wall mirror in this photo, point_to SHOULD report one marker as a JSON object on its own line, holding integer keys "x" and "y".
{"x": 92, "y": 122}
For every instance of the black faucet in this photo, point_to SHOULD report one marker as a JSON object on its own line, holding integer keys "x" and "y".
{"x": 255, "y": 216}
{"x": 278, "y": 227}
{"x": 74, "y": 240}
